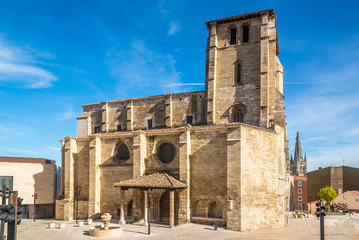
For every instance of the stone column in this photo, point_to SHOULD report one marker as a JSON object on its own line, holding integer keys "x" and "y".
{"x": 264, "y": 62}
{"x": 169, "y": 115}
{"x": 64, "y": 208}
{"x": 211, "y": 73}
{"x": 233, "y": 215}
{"x": 172, "y": 208}
{"x": 94, "y": 177}
{"x": 184, "y": 174}
{"x": 139, "y": 167}
{"x": 145, "y": 209}
{"x": 130, "y": 109}
{"x": 122, "y": 207}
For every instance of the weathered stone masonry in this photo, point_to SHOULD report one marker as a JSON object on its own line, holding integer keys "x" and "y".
{"x": 226, "y": 143}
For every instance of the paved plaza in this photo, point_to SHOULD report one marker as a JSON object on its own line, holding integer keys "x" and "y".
{"x": 336, "y": 227}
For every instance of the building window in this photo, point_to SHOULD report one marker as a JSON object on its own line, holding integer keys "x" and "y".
{"x": 299, "y": 191}
{"x": 166, "y": 152}
{"x": 300, "y": 206}
{"x": 245, "y": 34}
{"x": 190, "y": 120}
{"x": 119, "y": 128}
{"x": 97, "y": 129}
{"x": 237, "y": 115}
{"x": 149, "y": 124}
{"x": 299, "y": 198}
{"x": 122, "y": 153}
{"x": 238, "y": 73}
{"x": 8, "y": 180}
{"x": 299, "y": 183}
{"x": 233, "y": 39}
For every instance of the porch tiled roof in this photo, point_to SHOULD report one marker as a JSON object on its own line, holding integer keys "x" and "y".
{"x": 154, "y": 181}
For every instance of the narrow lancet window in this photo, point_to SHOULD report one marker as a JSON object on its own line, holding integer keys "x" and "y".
{"x": 245, "y": 34}
{"x": 238, "y": 73}
{"x": 233, "y": 39}
{"x": 149, "y": 124}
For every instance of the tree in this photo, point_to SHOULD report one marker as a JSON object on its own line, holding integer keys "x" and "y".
{"x": 328, "y": 194}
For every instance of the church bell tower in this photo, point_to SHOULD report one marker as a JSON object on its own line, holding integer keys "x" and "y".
{"x": 244, "y": 77}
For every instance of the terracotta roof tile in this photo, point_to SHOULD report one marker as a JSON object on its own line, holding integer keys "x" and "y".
{"x": 155, "y": 180}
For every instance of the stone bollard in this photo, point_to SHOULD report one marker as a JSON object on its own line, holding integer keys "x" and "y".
{"x": 89, "y": 221}
{"x": 215, "y": 226}
{"x": 80, "y": 224}
{"x": 51, "y": 225}
{"x": 62, "y": 225}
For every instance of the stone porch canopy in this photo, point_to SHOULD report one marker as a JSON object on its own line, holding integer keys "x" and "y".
{"x": 152, "y": 181}
{"x": 148, "y": 182}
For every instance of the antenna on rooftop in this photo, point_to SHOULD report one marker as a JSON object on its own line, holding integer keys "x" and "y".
{"x": 343, "y": 161}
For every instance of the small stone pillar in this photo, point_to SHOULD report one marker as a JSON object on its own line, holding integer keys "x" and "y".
{"x": 146, "y": 209}
{"x": 122, "y": 217}
{"x": 172, "y": 208}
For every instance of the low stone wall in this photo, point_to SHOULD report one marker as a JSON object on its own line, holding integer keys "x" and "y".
{"x": 208, "y": 221}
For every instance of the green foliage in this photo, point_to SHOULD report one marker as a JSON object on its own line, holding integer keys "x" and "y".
{"x": 328, "y": 194}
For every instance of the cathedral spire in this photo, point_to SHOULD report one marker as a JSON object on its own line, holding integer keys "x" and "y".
{"x": 298, "y": 150}
{"x": 305, "y": 157}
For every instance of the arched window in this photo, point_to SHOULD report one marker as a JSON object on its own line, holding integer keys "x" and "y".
{"x": 122, "y": 153}
{"x": 214, "y": 210}
{"x": 237, "y": 115}
{"x": 237, "y": 112}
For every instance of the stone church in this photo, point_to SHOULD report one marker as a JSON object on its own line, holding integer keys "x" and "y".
{"x": 223, "y": 147}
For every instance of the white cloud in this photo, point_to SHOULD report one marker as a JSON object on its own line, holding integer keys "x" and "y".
{"x": 173, "y": 28}
{"x": 141, "y": 69}
{"x": 161, "y": 6}
{"x": 70, "y": 114}
{"x": 19, "y": 66}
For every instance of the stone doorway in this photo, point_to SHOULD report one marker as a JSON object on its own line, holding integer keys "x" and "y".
{"x": 164, "y": 207}
{"x": 129, "y": 209}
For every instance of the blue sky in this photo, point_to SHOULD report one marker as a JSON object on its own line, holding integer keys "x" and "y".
{"x": 58, "y": 55}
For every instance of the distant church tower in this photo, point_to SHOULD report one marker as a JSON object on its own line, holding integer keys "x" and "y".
{"x": 298, "y": 165}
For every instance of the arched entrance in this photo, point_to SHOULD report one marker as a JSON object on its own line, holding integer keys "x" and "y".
{"x": 164, "y": 207}
{"x": 129, "y": 209}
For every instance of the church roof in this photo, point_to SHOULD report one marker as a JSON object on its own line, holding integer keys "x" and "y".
{"x": 242, "y": 17}
{"x": 153, "y": 181}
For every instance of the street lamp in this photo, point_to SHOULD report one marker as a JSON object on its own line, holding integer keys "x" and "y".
{"x": 35, "y": 197}
{"x": 77, "y": 195}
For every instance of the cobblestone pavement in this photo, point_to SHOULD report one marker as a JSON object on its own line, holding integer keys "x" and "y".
{"x": 336, "y": 227}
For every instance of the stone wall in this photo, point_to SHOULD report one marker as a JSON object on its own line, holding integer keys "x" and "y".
{"x": 262, "y": 182}
{"x": 132, "y": 114}
{"x": 208, "y": 170}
